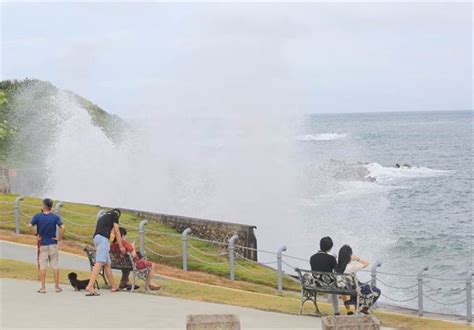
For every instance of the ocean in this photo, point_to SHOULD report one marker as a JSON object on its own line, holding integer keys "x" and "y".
{"x": 407, "y": 217}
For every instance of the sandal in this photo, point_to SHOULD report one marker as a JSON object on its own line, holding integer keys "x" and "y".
{"x": 41, "y": 291}
{"x": 58, "y": 289}
{"x": 92, "y": 294}
{"x": 154, "y": 287}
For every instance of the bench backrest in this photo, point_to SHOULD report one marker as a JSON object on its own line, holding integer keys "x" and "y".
{"x": 118, "y": 261}
{"x": 328, "y": 282}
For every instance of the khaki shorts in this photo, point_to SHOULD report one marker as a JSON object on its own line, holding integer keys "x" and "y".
{"x": 48, "y": 253}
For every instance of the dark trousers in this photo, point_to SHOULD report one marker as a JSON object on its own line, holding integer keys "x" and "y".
{"x": 369, "y": 293}
{"x": 124, "y": 279}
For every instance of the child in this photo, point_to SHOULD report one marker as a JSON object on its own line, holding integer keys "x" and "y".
{"x": 139, "y": 262}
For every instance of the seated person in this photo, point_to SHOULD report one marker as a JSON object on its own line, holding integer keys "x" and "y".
{"x": 139, "y": 262}
{"x": 322, "y": 261}
{"x": 350, "y": 263}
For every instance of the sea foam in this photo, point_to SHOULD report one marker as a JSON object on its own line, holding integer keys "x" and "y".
{"x": 322, "y": 137}
{"x": 388, "y": 173}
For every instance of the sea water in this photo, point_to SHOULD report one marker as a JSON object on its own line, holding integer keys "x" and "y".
{"x": 407, "y": 217}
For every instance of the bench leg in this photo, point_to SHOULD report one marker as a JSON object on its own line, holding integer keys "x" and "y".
{"x": 146, "y": 280}
{"x": 134, "y": 281}
{"x": 315, "y": 301}
{"x": 357, "y": 305}
{"x": 301, "y": 307}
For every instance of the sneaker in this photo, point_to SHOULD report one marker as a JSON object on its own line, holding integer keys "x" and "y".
{"x": 129, "y": 287}
{"x": 350, "y": 313}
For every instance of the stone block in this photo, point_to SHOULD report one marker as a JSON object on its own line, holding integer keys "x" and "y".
{"x": 350, "y": 322}
{"x": 213, "y": 322}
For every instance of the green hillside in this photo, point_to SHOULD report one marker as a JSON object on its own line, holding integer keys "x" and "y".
{"x": 31, "y": 102}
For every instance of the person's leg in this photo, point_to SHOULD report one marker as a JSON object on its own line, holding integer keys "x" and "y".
{"x": 56, "y": 280}
{"x": 94, "y": 274}
{"x": 376, "y": 292}
{"x": 335, "y": 303}
{"x": 53, "y": 261}
{"x": 110, "y": 277}
{"x": 43, "y": 280}
{"x": 149, "y": 279}
{"x": 124, "y": 279}
{"x": 43, "y": 258}
{"x": 101, "y": 255}
{"x": 107, "y": 267}
{"x": 346, "y": 300}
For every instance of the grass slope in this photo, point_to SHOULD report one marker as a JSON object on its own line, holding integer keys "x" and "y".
{"x": 80, "y": 221}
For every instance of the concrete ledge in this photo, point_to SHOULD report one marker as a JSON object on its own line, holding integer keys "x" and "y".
{"x": 213, "y": 322}
{"x": 351, "y": 322}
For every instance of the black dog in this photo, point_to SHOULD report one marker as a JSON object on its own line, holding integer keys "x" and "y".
{"x": 78, "y": 284}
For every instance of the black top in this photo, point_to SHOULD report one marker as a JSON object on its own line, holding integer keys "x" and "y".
{"x": 105, "y": 224}
{"x": 322, "y": 262}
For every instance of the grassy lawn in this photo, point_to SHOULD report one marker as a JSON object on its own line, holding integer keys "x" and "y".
{"x": 80, "y": 219}
{"x": 202, "y": 292}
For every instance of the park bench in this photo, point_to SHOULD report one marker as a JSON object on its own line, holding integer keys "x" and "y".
{"x": 120, "y": 262}
{"x": 313, "y": 283}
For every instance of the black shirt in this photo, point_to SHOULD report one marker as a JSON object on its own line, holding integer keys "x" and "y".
{"x": 105, "y": 224}
{"x": 322, "y": 262}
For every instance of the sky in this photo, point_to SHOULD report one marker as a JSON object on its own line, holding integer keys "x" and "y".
{"x": 136, "y": 58}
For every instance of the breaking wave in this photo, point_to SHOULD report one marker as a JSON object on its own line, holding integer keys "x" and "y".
{"x": 322, "y": 137}
{"x": 389, "y": 173}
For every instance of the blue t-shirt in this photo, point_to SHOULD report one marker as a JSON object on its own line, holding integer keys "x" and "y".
{"x": 46, "y": 227}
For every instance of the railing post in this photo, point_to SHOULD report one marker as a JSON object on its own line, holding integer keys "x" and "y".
{"x": 57, "y": 208}
{"x": 231, "y": 256}
{"x": 280, "y": 269}
{"x": 420, "y": 291}
{"x": 141, "y": 235}
{"x": 17, "y": 213}
{"x": 373, "y": 275}
{"x": 184, "y": 239}
{"x": 469, "y": 297}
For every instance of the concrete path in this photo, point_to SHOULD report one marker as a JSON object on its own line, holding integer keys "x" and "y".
{"x": 71, "y": 309}
{"x": 23, "y": 307}
{"x": 27, "y": 253}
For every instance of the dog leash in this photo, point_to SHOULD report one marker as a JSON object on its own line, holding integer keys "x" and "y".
{"x": 38, "y": 248}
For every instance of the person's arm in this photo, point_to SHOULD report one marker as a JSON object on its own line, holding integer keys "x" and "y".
{"x": 62, "y": 229}
{"x": 134, "y": 252}
{"x": 118, "y": 237}
{"x": 364, "y": 263}
{"x": 33, "y": 227}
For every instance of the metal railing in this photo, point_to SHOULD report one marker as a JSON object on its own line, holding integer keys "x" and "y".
{"x": 419, "y": 287}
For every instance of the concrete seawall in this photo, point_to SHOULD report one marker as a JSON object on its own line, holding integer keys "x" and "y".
{"x": 207, "y": 229}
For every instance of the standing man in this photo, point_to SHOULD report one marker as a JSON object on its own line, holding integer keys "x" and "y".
{"x": 322, "y": 261}
{"x": 46, "y": 223}
{"x": 107, "y": 223}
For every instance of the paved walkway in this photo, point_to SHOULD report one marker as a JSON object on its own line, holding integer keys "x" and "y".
{"x": 27, "y": 253}
{"x": 71, "y": 309}
{"x": 23, "y": 307}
